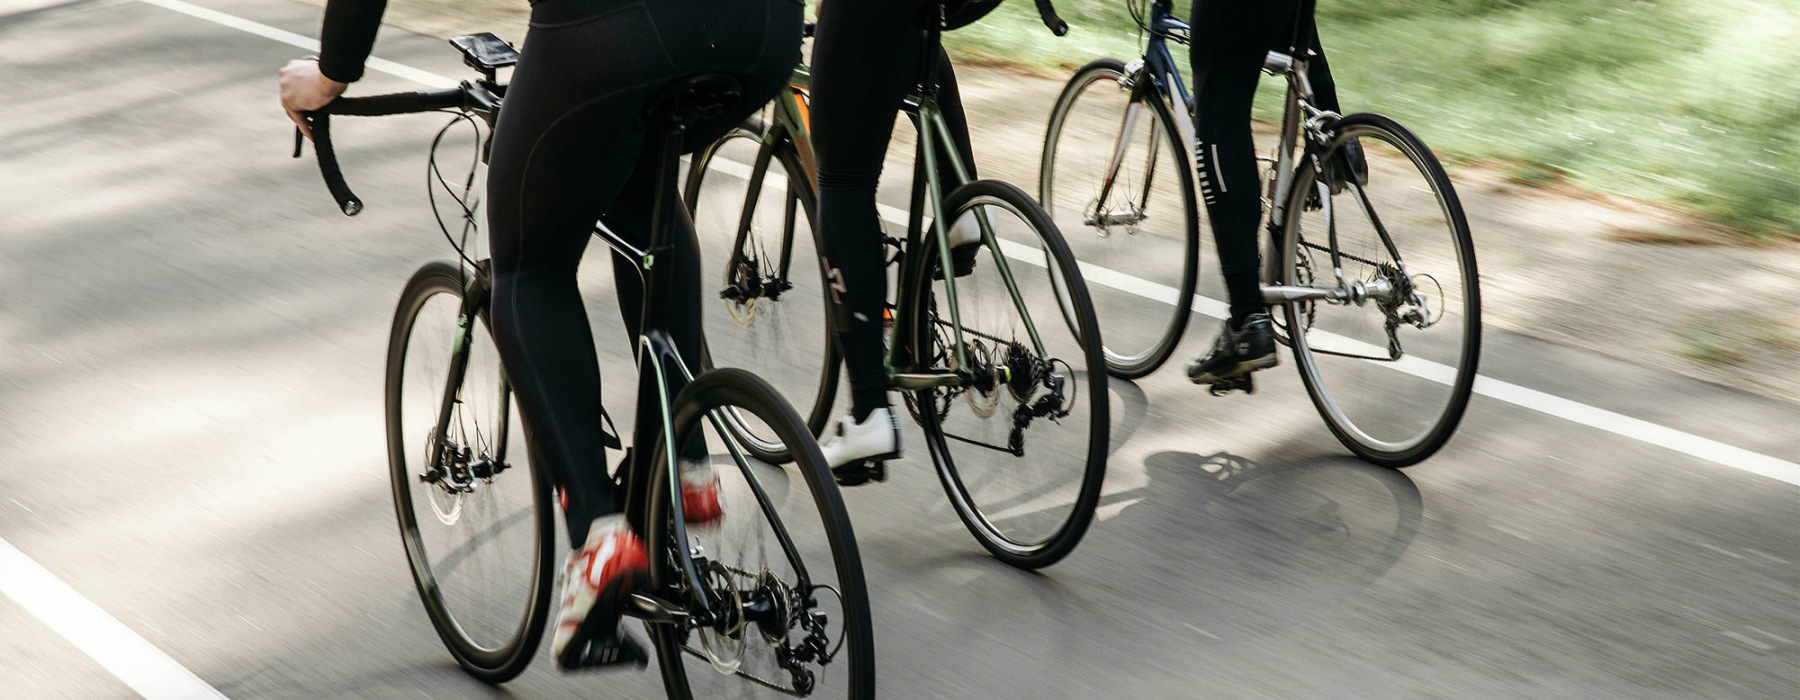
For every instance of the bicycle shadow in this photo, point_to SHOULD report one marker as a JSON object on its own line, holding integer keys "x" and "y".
{"x": 1226, "y": 543}
{"x": 1261, "y": 546}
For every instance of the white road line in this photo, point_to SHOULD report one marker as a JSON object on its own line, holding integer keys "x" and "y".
{"x": 101, "y": 636}
{"x": 1548, "y": 404}
{"x": 304, "y": 42}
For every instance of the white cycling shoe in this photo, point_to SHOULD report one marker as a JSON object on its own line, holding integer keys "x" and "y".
{"x": 965, "y": 244}
{"x": 858, "y": 450}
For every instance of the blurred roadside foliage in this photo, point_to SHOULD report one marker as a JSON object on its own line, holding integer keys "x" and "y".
{"x": 1694, "y": 103}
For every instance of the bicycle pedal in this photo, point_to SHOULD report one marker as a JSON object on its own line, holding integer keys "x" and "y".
{"x": 1244, "y": 382}
{"x": 859, "y": 473}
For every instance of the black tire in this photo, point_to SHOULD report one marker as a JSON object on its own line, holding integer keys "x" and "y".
{"x": 1085, "y": 125}
{"x": 493, "y": 631}
{"x": 773, "y": 336}
{"x": 775, "y": 491}
{"x": 1361, "y": 398}
{"x": 982, "y": 482}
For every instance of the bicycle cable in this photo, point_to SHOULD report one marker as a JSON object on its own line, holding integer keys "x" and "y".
{"x": 464, "y": 200}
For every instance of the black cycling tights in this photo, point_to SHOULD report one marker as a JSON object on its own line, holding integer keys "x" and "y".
{"x": 866, "y": 57}
{"x": 1230, "y": 39}
{"x": 570, "y": 149}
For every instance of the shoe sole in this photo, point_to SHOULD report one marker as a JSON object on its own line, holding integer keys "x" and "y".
{"x": 611, "y": 597}
{"x": 962, "y": 260}
{"x": 1242, "y": 368}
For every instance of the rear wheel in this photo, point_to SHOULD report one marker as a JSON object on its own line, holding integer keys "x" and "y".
{"x": 1021, "y": 447}
{"x": 1116, "y": 180}
{"x": 793, "y": 615}
{"x": 1391, "y": 371}
{"x": 476, "y": 521}
{"x": 753, "y": 211}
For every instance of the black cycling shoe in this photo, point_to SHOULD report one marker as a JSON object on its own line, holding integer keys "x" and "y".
{"x": 1236, "y": 353}
{"x": 1346, "y": 166}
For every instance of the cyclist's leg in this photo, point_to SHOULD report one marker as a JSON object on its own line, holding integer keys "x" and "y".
{"x": 1227, "y": 55}
{"x": 546, "y": 186}
{"x": 567, "y": 146}
{"x": 632, "y": 217}
{"x": 950, "y": 101}
{"x": 863, "y": 63}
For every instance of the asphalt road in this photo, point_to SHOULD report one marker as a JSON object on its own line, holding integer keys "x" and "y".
{"x": 191, "y": 422}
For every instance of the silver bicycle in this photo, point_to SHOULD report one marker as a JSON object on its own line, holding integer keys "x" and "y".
{"x": 1375, "y": 275}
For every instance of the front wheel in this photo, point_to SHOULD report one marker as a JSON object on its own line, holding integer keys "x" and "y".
{"x": 764, "y": 278}
{"x": 1115, "y": 179}
{"x": 475, "y": 515}
{"x": 1392, "y": 367}
{"x": 1021, "y": 443}
{"x": 791, "y": 613}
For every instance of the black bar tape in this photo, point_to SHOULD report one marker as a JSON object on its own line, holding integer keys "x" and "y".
{"x": 1047, "y": 13}
{"x": 397, "y": 103}
{"x": 328, "y": 165}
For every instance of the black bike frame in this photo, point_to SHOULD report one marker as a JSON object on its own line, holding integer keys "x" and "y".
{"x": 659, "y": 364}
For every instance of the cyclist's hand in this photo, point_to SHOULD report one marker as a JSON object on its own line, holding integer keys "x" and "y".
{"x": 304, "y": 89}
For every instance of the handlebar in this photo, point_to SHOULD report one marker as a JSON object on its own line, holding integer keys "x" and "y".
{"x": 465, "y": 97}
{"x": 1047, "y": 13}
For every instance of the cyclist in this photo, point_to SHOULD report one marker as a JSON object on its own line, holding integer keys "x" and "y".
{"x": 866, "y": 56}
{"x": 569, "y": 149}
{"x": 1229, "y": 40}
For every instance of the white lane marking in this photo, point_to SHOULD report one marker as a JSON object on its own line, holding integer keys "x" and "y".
{"x": 1548, "y": 404}
{"x": 101, "y": 636}
{"x": 304, "y": 42}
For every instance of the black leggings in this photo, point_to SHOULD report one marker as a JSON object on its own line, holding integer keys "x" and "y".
{"x": 866, "y": 57}
{"x": 570, "y": 149}
{"x": 1230, "y": 39}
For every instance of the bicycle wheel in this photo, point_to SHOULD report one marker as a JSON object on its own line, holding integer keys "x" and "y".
{"x": 1115, "y": 179}
{"x": 1022, "y": 448}
{"x": 477, "y": 522}
{"x": 793, "y": 617}
{"x": 1391, "y": 372}
{"x": 773, "y": 317}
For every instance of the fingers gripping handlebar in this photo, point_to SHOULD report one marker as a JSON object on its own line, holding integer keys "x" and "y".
{"x": 374, "y": 106}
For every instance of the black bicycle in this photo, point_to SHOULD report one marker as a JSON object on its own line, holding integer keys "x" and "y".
{"x": 1002, "y": 368}
{"x": 773, "y": 595}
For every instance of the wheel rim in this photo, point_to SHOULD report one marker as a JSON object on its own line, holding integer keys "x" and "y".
{"x": 745, "y": 562}
{"x": 475, "y": 549}
{"x": 1131, "y": 246}
{"x": 1020, "y": 506}
{"x": 1388, "y": 409}
{"x": 782, "y": 337}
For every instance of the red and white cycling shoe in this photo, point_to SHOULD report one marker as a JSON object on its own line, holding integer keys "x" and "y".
{"x": 597, "y": 581}
{"x": 700, "y": 502}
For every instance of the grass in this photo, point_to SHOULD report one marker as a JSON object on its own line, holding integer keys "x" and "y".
{"x": 1685, "y": 102}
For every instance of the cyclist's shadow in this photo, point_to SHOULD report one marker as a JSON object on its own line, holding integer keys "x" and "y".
{"x": 1247, "y": 545}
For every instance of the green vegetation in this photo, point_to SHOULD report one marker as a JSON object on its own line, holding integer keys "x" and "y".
{"x": 1688, "y": 102}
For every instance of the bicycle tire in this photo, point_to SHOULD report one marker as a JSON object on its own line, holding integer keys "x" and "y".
{"x": 755, "y": 334}
{"x": 710, "y": 393}
{"x": 1125, "y": 248}
{"x": 1460, "y": 299}
{"x": 983, "y": 510}
{"x": 487, "y": 660}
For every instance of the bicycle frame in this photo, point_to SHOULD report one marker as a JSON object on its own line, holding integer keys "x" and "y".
{"x": 658, "y": 358}
{"x": 1155, "y": 76}
{"x": 791, "y": 122}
